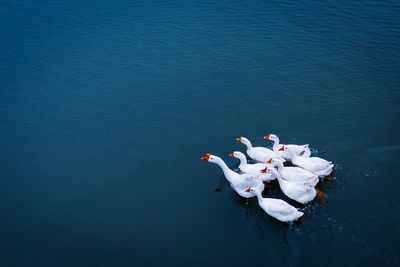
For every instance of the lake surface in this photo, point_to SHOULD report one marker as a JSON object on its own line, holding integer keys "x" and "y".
{"x": 107, "y": 106}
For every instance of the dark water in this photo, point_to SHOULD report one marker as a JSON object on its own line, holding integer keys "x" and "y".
{"x": 106, "y": 107}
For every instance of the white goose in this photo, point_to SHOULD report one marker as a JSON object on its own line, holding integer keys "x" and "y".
{"x": 277, "y": 208}
{"x": 315, "y": 165}
{"x": 252, "y": 168}
{"x": 295, "y": 148}
{"x": 302, "y": 193}
{"x": 295, "y": 174}
{"x": 239, "y": 182}
{"x": 260, "y": 154}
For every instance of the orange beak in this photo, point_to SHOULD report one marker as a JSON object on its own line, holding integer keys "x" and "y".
{"x": 266, "y": 137}
{"x": 231, "y": 154}
{"x": 281, "y": 149}
{"x": 264, "y": 170}
{"x": 269, "y": 161}
{"x": 239, "y": 138}
{"x": 248, "y": 189}
{"x": 206, "y": 157}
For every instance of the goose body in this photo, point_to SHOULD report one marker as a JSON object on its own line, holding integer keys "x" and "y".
{"x": 295, "y": 174}
{"x": 239, "y": 182}
{"x": 315, "y": 165}
{"x": 277, "y": 148}
{"x": 252, "y": 168}
{"x": 302, "y": 193}
{"x": 260, "y": 154}
{"x": 277, "y": 208}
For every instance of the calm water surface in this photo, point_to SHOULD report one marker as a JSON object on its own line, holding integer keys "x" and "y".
{"x": 106, "y": 107}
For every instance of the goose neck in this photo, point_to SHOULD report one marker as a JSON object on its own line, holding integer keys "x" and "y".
{"x": 293, "y": 157}
{"x": 279, "y": 164}
{"x": 229, "y": 174}
{"x": 258, "y": 194}
{"x": 248, "y": 144}
{"x": 276, "y": 173}
{"x": 275, "y": 147}
{"x": 243, "y": 161}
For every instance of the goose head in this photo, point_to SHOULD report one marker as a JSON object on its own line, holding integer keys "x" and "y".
{"x": 272, "y": 137}
{"x": 275, "y": 162}
{"x": 244, "y": 141}
{"x": 254, "y": 190}
{"x": 249, "y": 189}
{"x": 210, "y": 158}
{"x": 238, "y": 155}
{"x": 268, "y": 170}
{"x": 291, "y": 153}
{"x": 265, "y": 170}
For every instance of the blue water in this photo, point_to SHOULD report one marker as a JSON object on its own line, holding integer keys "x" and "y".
{"x": 107, "y": 106}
